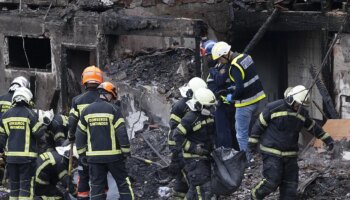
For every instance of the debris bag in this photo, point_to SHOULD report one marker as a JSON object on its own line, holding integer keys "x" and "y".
{"x": 228, "y": 170}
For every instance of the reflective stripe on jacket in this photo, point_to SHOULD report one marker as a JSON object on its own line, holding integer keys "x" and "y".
{"x": 278, "y": 127}
{"x": 101, "y": 133}
{"x": 251, "y": 91}
{"x": 20, "y": 130}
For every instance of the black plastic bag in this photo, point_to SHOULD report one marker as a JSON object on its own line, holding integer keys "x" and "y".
{"x": 228, "y": 170}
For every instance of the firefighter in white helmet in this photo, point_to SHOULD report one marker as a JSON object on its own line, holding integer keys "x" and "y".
{"x": 277, "y": 130}
{"x": 193, "y": 137}
{"x": 19, "y": 131}
{"x": 179, "y": 109}
{"x": 6, "y": 99}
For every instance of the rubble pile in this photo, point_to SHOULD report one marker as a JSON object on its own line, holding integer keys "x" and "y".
{"x": 147, "y": 178}
{"x": 167, "y": 69}
{"x": 322, "y": 175}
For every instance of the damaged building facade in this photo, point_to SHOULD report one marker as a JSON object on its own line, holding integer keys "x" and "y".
{"x": 150, "y": 48}
{"x": 51, "y": 42}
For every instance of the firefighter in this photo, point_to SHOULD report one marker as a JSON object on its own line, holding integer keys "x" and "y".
{"x": 52, "y": 169}
{"x": 219, "y": 83}
{"x": 193, "y": 137}
{"x": 6, "y": 99}
{"x": 103, "y": 143}
{"x": 179, "y": 109}
{"x": 5, "y": 104}
{"x": 91, "y": 78}
{"x": 56, "y": 132}
{"x": 248, "y": 91}
{"x": 19, "y": 130}
{"x": 277, "y": 131}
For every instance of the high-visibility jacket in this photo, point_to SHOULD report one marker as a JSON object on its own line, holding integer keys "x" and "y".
{"x": 78, "y": 104}
{"x": 19, "y": 131}
{"x": 193, "y": 130}
{"x": 5, "y": 102}
{"x": 178, "y": 110}
{"x": 51, "y": 168}
{"x": 248, "y": 87}
{"x": 101, "y": 133}
{"x": 278, "y": 127}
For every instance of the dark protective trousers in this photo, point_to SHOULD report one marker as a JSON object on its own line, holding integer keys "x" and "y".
{"x": 198, "y": 173}
{"x": 98, "y": 176}
{"x": 279, "y": 172}
{"x": 21, "y": 177}
{"x": 176, "y": 168}
{"x": 47, "y": 191}
{"x": 225, "y": 130}
{"x": 83, "y": 183}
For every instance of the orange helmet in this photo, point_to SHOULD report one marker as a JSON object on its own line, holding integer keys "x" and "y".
{"x": 92, "y": 74}
{"x": 108, "y": 87}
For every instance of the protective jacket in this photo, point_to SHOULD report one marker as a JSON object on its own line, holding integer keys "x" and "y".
{"x": 20, "y": 130}
{"x": 102, "y": 133}
{"x": 178, "y": 110}
{"x": 194, "y": 129}
{"x": 52, "y": 168}
{"x": 55, "y": 134}
{"x": 58, "y": 129}
{"x": 248, "y": 87}
{"x": 78, "y": 104}
{"x": 5, "y": 102}
{"x": 278, "y": 127}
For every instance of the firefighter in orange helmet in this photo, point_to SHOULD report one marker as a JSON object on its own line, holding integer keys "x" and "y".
{"x": 103, "y": 144}
{"x": 92, "y": 77}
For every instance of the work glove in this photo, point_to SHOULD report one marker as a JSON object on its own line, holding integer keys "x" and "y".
{"x": 71, "y": 138}
{"x": 229, "y": 98}
{"x": 252, "y": 148}
{"x": 47, "y": 121}
{"x": 330, "y": 146}
{"x": 72, "y": 189}
{"x": 126, "y": 155}
{"x": 199, "y": 150}
{"x": 83, "y": 161}
{"x": 66, "y": 143}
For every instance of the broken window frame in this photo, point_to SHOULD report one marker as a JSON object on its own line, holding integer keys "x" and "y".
{"x": 6, "y": 55}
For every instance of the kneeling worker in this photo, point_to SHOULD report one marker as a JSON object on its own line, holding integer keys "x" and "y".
{"x": 51, "y": 169}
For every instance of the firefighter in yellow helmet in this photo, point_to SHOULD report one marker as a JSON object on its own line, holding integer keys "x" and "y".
{"x": 92, "y": 77}
{"x": 103, "y": 144}
{"x": 277, "y": 130}
{"x": 19, "y": 131}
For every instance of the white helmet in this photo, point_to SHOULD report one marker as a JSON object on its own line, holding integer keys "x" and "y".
{"x": 194, "y": 84}
{"x": 19, "y": 81}
{"x": 220, "y": 49}
{"x": 201, "y": 97}
{"x": 287, "y": 91}
{"x": 22, "y": 94}
{"x": 64, "y": 151}
{"x": 42, "y": 114}
{"x": 300, "y": 95}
